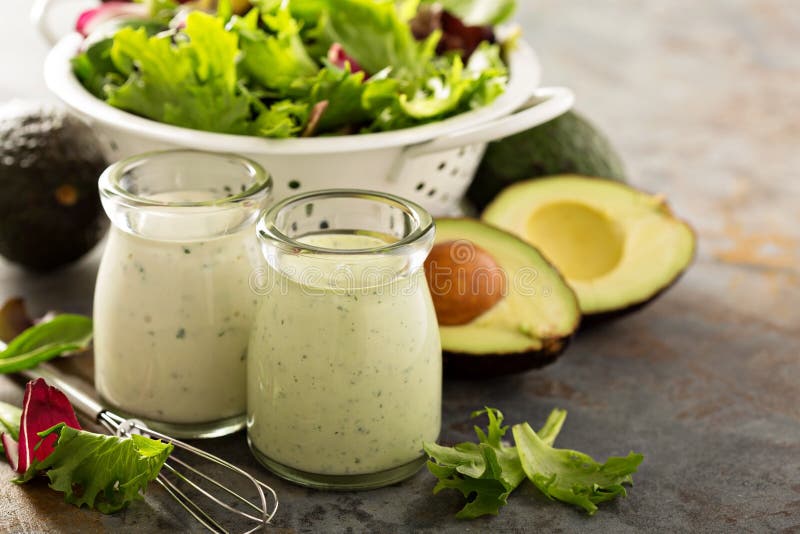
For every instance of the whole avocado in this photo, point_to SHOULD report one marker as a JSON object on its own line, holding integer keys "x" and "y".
{"x": 50, "y": 211}
{"x": 568, "y": 144}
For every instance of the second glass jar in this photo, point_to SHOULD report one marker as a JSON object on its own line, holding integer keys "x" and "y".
{"x": 344, "y": 363}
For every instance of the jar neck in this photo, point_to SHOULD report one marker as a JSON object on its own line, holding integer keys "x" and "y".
{"x": 346, "y": 238}
{"x": 184, "y": 195}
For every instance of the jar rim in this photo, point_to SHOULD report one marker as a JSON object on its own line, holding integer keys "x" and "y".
{"x": 111, "y": 188}
{"x": 267, "y": 227}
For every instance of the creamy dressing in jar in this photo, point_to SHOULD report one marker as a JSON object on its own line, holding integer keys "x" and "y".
{"x": 344, "y": 364}
{"x": 173, "y": 304}
{"x": 172, "y": 322}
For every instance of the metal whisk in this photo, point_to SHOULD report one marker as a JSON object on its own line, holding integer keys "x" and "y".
{"x": 260, "y": 513}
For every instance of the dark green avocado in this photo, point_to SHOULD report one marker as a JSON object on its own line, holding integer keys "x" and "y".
{"x": 568, "y": 144}
{"x": 50, "y": 212}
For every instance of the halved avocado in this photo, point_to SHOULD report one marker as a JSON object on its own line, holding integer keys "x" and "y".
{"x": 617, "y": 247}
{"x": 502, "y": 307}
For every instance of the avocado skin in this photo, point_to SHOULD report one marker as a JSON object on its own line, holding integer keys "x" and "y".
{"x": 461, "y": 365}
{"x": 50, "y": 211}
{"x": 568, "y": 144}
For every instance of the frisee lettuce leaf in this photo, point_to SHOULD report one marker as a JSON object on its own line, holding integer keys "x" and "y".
{"x": 342, "y": 90}
{"x": 485, "y": 472}
{"x": 44, "y": 341}
{"x": 488, "y": 471}
{"x": 374, "y": 34}
{"x": 273, "y": 60}
{"x": 571, "y": 476}
{"x": 102, "y": 472}
{"x": 191, "y": 83}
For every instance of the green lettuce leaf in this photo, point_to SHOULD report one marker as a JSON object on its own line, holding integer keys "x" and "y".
{"x": 480, "y": 12}
{"x": 571, "y": 476}
{"x": 94, "y": 66}
{"x": 486, "y": 472}
{"x": 446, "y": 88}
{"x": 9, "y": 421}
{"x": 374, "y": 34}
{"x": 44, "y": 341}
{"x": 192, "y": 83}
{"x": 308, "y": 11}
{"x": 273, "y": 60}
{"x": 95, "y": 69}
{"x": 441, "y": 93}
{"x": 342, "y": 90}
{"x": 488, "y": 73}
{"x": 282, "y": 119}
{"x": 263, "y": 73}
{"x": 102, "y": 472}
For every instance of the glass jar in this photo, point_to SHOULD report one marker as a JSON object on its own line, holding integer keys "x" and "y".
{"x": 344, "y": 368}
{"x": 173, "y": 304}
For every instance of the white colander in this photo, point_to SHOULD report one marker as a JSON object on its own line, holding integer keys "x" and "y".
{"x": 431, "y": 164}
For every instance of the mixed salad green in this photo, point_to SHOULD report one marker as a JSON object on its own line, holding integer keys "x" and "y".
{"x": 297, "y": 67}
{"x": 487, "y": 472}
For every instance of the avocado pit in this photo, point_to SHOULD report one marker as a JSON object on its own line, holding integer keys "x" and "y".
{"x": 465, "y": 281}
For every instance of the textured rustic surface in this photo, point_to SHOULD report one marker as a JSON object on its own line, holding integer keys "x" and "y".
{"x": 702, "y": 99}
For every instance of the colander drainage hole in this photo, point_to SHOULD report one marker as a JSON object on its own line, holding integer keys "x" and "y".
{"x": 294, "y": 184}
{"x": 442, "y": 165}
{"x": 420, "y": 186}
{"x": 431, "y": 192}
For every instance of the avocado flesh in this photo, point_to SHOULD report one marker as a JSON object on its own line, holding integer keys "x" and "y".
{"x": 528, "y": 327}
{"x": 617, "y": 247}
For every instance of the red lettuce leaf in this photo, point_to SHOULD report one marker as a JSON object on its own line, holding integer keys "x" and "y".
{"x": 42, "y": 407}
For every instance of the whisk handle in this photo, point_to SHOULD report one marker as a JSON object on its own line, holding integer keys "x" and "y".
{"x": 81, "y": 401}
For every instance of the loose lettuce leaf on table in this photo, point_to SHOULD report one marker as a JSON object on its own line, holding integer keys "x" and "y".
{"x": 64, "y": 333}
{"x": 191, "y": 83}
{"x": 102, "y": 472}
{"x": 486, "y": 472}
{"x": 572, "y": 476}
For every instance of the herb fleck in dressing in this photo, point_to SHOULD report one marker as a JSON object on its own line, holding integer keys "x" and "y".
{"x": 172, "y": 321}
{"x": 344, "y": 381}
